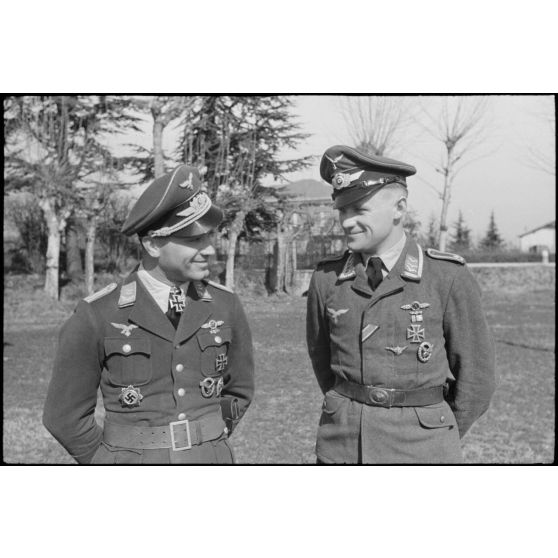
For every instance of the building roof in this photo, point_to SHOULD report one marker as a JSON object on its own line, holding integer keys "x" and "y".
{"x": 306, "y": 190}
{"x": 551, "y": 225}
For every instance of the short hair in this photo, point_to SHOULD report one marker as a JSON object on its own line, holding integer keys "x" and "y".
{"x": 397, "y": 186}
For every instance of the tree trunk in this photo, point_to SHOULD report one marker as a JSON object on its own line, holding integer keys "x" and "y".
{"x": 235, "y": 229}
{"x": 158, "y": 156}
{"x": 443, "y": 236}
{"x": 448, "y": 176}
{"x": 281, "y": 260}
{"x": 55, "y": 227}
{"x": 90, "y": 253}
{"x": 74, "y": 267}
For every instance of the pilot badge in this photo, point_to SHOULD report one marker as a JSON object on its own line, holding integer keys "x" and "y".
{"x": 219, "y": 386}
{"x": 130, "y": 396}
{"x": 207, "y": 386}
{"x": 424, "y": 352}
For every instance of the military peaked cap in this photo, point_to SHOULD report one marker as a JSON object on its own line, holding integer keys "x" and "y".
{"x": 355, "y": 175}
{"x": 174, "y": 204}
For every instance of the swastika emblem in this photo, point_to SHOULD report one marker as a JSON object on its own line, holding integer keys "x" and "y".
{"x": 221, "y": 362}
{"x": 415, "y": 333}
{"x": 130, "y": 396}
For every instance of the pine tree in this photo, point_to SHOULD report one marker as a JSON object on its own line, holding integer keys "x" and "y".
{"x": 237, "y": 140}
{"x": 492, "y": 239}
{"x": 461, "y": 239}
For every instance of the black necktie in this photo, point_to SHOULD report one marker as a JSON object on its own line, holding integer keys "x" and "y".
{"x": 374, "y": 272}
{"x": 177, "y": 302}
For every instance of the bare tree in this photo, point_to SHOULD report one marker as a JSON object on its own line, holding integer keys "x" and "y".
{"x": 52, "y": 144}
{"x": 376, "y": 124}
{"x": 164, "y": 110}
{"x": 462, "y": 125}
{"x": 543, "y": 158}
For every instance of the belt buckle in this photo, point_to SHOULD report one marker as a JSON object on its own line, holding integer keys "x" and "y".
{"x": 380, "y": 396}
{"x": 173, "y": 441}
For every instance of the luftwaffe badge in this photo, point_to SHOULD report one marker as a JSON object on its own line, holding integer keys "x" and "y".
{"x": 130, "y": 396}
{"x": 424, "y": 352}
{"x": 187, "y": 183}
{"x": 219, "y": 386}
{"x": 415, "y": 333}
{"x": 334, "y": 314}
{"x": 396, "y": 350}
{"x": 415, "y": 310}
{"x": 213, "y": 326}
{"x": 209, "y": 386}
{"x": 124, "y": 329}
{"x": 221, "y": 362}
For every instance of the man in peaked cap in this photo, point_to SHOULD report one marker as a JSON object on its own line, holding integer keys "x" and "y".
{"x": 170, "y": 350}
{"x": 396, "y": 335}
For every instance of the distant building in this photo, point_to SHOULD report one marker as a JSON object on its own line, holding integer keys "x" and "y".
{"x": 539, "y": 239}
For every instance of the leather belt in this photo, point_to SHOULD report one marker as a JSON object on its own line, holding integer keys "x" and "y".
{"x": 179, "y": 435}
{"x": 388, "y": 397}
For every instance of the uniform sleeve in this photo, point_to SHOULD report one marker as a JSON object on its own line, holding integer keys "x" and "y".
{"x": 317, "y": 335}
{"x": 69, "y": 412}
{"x": 470, "y": 351}
{"x": 238, "y": 389}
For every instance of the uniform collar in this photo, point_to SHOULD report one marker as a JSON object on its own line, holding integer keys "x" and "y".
{"x": 408, "y": 264}
{"x": 157, "y": 289}
{"x": 389, "y": 257}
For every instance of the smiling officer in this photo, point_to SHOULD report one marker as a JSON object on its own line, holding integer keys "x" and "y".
{"x": 170, "y": 350}
{"x": 397, "y": 336}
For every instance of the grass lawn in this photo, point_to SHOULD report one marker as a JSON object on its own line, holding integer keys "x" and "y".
{"x": 280, "y": 426}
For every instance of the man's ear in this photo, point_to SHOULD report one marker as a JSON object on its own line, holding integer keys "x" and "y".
{"x": 151, "y": 246}
{"x": 400, "y": 208}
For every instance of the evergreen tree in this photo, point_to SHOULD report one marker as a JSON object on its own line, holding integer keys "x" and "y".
{"x": 492, "y": 239}
{"x": 237, "y": 140}
{"x": 461, "y": 238}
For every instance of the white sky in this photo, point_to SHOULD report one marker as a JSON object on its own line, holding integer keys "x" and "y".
{"x": 521, "y": 197}
{"x": 501, "y": 179}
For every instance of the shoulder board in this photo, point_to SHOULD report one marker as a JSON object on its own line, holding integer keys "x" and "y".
{"x": 334, "y": 258}
{"x": 437, "y": 255}
{"x": 100, "y": 294}
{"x": 219, "y": 286}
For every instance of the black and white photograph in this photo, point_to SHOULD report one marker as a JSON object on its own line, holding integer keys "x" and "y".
{"x": 279, "y": 278}
{"x": 232, "y": 279}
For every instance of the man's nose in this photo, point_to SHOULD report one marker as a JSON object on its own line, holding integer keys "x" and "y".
{"x": 208, "y": 250}
{"x": 347, "y": 222}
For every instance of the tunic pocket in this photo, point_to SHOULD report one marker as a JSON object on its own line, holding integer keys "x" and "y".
{"x": 214, "y": 348}
{"x": 128, "y": 361}
{"x": 438, "y": 415}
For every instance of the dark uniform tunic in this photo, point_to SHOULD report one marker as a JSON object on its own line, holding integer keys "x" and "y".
{"x": 372, "y": 338}
{"x": 123, "y": 339}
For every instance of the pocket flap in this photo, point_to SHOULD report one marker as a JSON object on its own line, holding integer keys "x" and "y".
{"x": 439, "y": 416}
{"x": 125, "y": 347}
{"x": 206, "y": 339}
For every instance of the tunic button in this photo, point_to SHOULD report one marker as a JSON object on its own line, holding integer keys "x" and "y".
{"x": 218, "y": 339}
{"x": 179, "y": 367}
{"x": 181, "y": 392}
{"x": 442, "y": 418}
{"x": 181, "y": 416}
{"x": 126, "y": 348}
